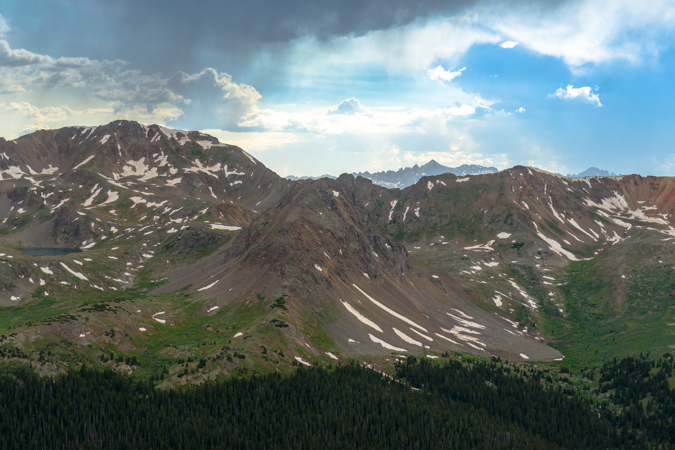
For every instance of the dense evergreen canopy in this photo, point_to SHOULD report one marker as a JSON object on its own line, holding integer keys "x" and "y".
{"x": 459, "y": 405}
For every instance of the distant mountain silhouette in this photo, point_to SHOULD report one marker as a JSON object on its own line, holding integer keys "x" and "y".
{"x": 403, "y": 178}
{"x": 593, "y": 172}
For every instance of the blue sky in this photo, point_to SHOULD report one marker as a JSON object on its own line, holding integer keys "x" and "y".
{"x": 330, "y": 87}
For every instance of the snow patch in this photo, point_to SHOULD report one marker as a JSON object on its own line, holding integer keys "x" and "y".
{"x": 522, "y": 292}
{"x": 77, "y": 274}
{"x": 88, "y": 201}
{"x": 139, "y": 169}
{"x": 361, "y": 317}
{"x": 89, "y": 158}
{"x": 302, "y": 361}
{"x": 466, "y": 323}
{"x": 578, "y": 227}
{"x": 112, "y": 197}
{"x": 208, "y": 144}
{"x": 390, "y": 311}
{"x": 209, "y": 170}
{"x": 447, "y": 339}
{"x": 421, "y": 335}
{"x": 249, "y": 157}
{"x": 385, "y": 345}
{"x": 483, "y": 247}
{"x": 208, "y": 287}
{"x": 391, "y": 211}
{"x": 217, "y": 226}
{"x": 555, "y": 245}
{"x": 407, "y": 338}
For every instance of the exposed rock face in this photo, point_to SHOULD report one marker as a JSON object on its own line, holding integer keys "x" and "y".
{"x": 68, "y": 229}
{"x": 190, "y": 238}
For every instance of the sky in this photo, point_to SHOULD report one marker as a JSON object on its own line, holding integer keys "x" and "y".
{"x": 314, "y": 88}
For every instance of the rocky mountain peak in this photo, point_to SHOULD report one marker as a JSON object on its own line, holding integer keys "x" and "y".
{"x": 320, "y": 225}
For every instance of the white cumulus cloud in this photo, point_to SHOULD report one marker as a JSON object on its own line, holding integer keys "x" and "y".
{"x": 508, "y": 44}
{"x": 13, "y": 58}
{"x": 207, "y": 99}
{"x": 47, "y": 114}
{"x": 584, "y": 94}
{"x": 350, "y": 106}
{"x": 440, "y": 74}
{"x": 628, "y": 31}
{"x": 213, "y": 99}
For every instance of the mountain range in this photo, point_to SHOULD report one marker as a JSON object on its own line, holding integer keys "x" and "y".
{"x": 594, "y": 172}
{"x": 185, "y": 248}
{"x": 407, "y": 176}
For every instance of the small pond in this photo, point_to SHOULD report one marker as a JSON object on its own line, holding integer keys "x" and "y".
{"x": 43, "y": 251}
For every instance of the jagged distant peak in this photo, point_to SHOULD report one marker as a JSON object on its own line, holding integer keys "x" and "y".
{"x": 407, "y": 176}
{"x": 310, "y": 177}
{"x": 593, "y": 172}
{"x": 431, "y": 163}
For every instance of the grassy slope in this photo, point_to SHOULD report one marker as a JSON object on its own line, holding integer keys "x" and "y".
{"x": 619, "y": 303}
{"x": 612, "y": 316}
{"x": 47, "y": 328}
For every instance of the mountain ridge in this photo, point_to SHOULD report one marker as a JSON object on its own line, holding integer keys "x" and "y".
{"x": 188, "y": 242}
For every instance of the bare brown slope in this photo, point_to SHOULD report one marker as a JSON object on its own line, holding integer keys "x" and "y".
{"x": 321, "y": 247}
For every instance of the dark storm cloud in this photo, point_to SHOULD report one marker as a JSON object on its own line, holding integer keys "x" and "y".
{"x": 279, "y": 21}
{"x": 172, "y": 35}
